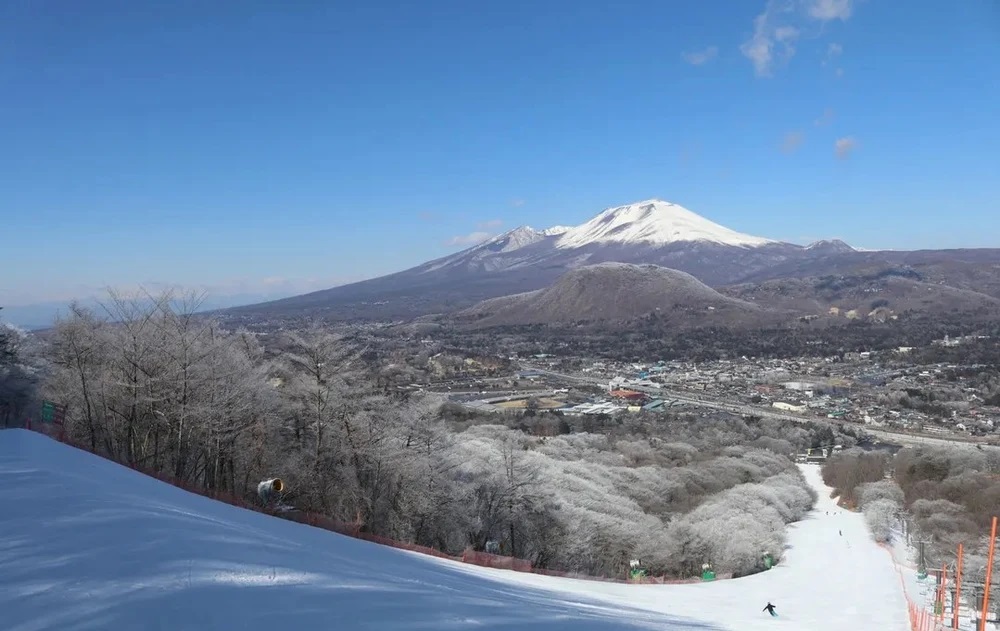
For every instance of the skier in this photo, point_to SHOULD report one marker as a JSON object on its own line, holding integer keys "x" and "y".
{"x": 770, "y": 609}
{"x": 840, "y": 532}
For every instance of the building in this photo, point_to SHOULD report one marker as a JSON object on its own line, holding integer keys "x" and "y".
{"x": 628, "y": 395}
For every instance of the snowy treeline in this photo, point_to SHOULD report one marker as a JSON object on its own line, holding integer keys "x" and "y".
{"x": 882, "y": 504}
{"x": 941, "y": 495}
{"x": 859, "y": 478}
{"x": 588, "y": 508}
{"x": 17, "y": 375}
{"x": 847, "y": 470}
{"x": 165, "y": 389}
{"x": 951, "y": 493}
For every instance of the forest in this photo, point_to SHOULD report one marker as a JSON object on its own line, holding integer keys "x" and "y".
{"x": 148, "y": 382}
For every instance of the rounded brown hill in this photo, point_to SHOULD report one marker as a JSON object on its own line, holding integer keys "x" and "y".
{"x": 613, "y": 291}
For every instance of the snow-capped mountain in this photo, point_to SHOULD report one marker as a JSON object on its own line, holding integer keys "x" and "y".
{"x": 512, "y": 240}
{"x": 555, "y": 231}
{"x": 654, "y": 222}
{"x": 652, "y": 232}
{"x": 523, "y": 259}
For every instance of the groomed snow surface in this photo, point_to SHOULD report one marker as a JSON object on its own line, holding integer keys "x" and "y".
{"x": 88, "y": 544}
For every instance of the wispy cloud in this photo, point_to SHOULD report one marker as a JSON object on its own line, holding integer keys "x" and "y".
{"x": 517, "y": 203}
{"x": 488, "y": 225}
{"x": 826, "y": 118}
{"x": 831, "y": 9}
{"x": 844, "y": 147}
{"x": 700, "y": 58}
{"x": 773, "y": 38}
{"x": 792, "y": 141}
{"x": 473, "y": 238}
{"x": 427, "y": 216}
{"x": 782, "y": 24}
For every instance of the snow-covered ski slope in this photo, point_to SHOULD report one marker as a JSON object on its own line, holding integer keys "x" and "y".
{"x": 88, "y": 544}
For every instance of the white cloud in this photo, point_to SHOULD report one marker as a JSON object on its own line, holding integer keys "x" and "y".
{"x": 472, "y": 238}
{"x": 785, "y": 22}
{"x": 492, "y": 223}
{"x": 830, "y": 9}
{"x": 844, "y": 147}
{"x": 700, "y": 58}
{"x": 792, "y": 141}
{"x": 517, "y": 203}
{"x": 773, "y": 37}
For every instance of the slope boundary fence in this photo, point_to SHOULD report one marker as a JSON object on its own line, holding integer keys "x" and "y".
{"x": 920, "y": 619}
{"x": 353, "y": 530}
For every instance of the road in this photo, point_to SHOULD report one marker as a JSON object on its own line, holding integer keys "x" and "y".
{"x": 688, "y": 398}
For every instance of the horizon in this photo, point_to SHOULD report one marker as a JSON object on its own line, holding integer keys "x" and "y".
{"x": 257, "y": 151}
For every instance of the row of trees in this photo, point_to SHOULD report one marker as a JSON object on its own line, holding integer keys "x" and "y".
{"x": 148, "y": 383}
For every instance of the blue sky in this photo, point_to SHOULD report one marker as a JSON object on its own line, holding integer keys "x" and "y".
{"x": 261, "y": 147}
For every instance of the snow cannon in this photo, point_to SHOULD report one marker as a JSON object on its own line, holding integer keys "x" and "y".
{"x": 269, "y": 488}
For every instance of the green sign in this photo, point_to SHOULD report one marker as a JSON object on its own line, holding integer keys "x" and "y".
{"x": 48, "y": 411}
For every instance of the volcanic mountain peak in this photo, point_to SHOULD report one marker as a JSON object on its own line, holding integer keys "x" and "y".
{"x": 654, "y": 222}
{"x": 610, "y": 291}
{"x": 830, "y": 245}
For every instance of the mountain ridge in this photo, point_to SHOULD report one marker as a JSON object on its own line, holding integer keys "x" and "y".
{"x": 649, "y": 232}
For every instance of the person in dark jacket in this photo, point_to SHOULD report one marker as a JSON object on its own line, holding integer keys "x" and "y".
{"x": 770, "y": 609}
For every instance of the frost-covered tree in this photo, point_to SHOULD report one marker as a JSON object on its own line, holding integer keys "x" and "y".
{"x": 18, "y": 375}
{"x": 881, "y": 515}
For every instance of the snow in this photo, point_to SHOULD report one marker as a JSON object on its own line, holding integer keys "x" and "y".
{"x": 505, "y": 243}
{"x": 513, "y": 239}
{"x": 88, "y": 544}
{"x": 556, "y": 230}
{"x": 657, "y": 222}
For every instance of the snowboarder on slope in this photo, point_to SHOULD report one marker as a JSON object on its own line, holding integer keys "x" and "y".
{"x": 770, "y": 609}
